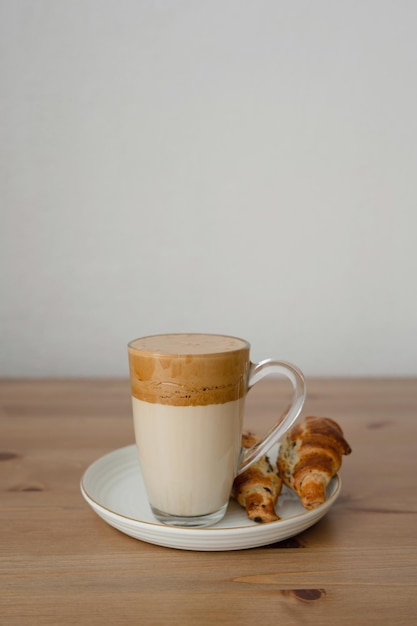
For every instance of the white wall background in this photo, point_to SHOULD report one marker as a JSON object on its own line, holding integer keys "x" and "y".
{"x": 238, "y": 166}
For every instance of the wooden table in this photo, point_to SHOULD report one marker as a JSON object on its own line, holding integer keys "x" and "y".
{"x": 61, "y": 564}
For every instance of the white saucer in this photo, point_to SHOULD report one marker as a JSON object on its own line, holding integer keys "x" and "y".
{"x": 113, "y": 487}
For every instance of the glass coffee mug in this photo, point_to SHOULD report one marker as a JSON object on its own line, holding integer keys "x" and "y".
{"x": 188, "y": 395}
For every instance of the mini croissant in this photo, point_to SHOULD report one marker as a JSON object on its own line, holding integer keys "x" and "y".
{"x": 257, "y": 488}
{"x": 309, "y": 456}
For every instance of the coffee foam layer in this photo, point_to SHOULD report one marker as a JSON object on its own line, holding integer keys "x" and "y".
{"x": 199, "y": 370}
{"x": 188, "y": 344}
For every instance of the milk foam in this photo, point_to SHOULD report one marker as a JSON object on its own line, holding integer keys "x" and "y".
{"x": 189, "y": 455}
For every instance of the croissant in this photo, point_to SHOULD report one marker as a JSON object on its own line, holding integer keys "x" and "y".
{"x": 309, "y": 456}
{"x": 257, "y": 488}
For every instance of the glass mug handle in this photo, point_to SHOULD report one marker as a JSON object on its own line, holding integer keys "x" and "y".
{"x": 256, "y": 373}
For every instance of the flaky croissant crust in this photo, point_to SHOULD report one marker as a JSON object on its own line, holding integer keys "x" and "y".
{"x": 309, "y": 456}
{"x": 257, "y": 488}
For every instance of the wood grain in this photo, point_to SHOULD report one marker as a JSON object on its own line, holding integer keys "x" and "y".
{"x": 61, "y": 564}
